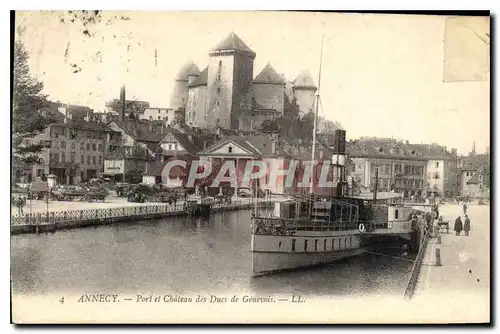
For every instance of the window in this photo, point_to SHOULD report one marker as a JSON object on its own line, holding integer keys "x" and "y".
{"x": 88, "y": 146}
{"x": 82, "y": 146}
{"x": 305, "y": 245}
{"x": 63, "y": 144}
{"x": 88, "y": 159}
{"x": 353, "y": 168}
{"x": 63, "y": 157}
{"x": 150, "y": 118}
{"x": 230, "y": 149}
{"x": 100, "y": 147}
{"x": 82, "y": 159}
{"x": 100, "y": 160}
{"x": 396, "y": 214}
{"x": 437, "y": 164}
{"x": 159, "y": 117}
{"x": 169, "y": 147}
{"x": 73, "y": 157}
{"x": 175, "y": 146}
{"x": 324, "y": 244}
{"x": 345, "y": 242}
{"x": 94, "y": 148}
{"x": 72, "y": 146}
{"x": 333, "y": 240}
{"x": 94, "y": 160}
{"x": 316, "y": 245}
{"x": 293, "y": 245}
{"x": 82, "y": 175}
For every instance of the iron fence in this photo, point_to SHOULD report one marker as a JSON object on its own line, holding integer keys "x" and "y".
{"x": 117, "y": 212}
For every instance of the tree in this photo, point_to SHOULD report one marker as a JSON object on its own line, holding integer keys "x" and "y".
{"x": 27, "y": 101}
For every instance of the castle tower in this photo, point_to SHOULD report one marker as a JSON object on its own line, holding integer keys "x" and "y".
{"x": 229, "y": 82}
{"x": 269, "y": 89}
{"x": 180, "y": 91}
{"x": 304, "y": 90}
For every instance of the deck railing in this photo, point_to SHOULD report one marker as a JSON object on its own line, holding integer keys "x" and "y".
{"x": 284, "y": 226}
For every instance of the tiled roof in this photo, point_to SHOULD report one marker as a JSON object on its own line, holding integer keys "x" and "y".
{"x": 202, "y": 78}
{"x": 186, "y": 70}
{"x": 183, "y": 139}
{"x": 475, "y": 162}
{"x": 232, "y": 42}
{"x": 257, "y": 145}
{"x": 268, "y": 75}
{"x": 83, "y": 125}
{"x": 391, "y": 148}
{"x": 139, "y": 130}
{"x": 305, "y": 80}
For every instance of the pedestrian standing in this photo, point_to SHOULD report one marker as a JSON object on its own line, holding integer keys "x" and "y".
{"x": 458, "y": 226}
{"x": 465, "y": 209}
{"x": 467, "y": 225}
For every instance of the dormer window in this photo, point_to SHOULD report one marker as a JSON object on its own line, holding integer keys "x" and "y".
{"x": 413, "y": 152}
{"x": 230, "y": 149}
{"x": 380, "y": 150}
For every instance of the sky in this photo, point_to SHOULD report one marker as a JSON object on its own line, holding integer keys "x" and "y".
{"x": 419, "y": 78}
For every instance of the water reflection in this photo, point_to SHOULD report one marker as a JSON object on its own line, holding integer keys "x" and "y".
{"x": 181, "y": 256}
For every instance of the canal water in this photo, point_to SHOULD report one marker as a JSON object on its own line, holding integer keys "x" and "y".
{"x": 182, "y": 256}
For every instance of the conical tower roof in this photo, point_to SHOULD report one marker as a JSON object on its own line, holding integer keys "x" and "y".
{"x": 304, "y": 80}
{"x": 186, "y": 70}
{"x": 232, "y": 43}
{"x": 269, "y": 76}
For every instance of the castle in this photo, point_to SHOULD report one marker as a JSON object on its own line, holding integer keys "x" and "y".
{"x": 226, "y": 92}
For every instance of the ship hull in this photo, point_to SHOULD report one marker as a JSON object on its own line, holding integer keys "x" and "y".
{"x": 271, "y": 254}
{"x": 265, "y": 263}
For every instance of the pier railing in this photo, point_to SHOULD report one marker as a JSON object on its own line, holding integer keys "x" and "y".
{"x": 285, "y": 226}
{"x": 117, "y": 212}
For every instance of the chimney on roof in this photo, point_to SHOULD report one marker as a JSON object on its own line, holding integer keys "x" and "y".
{"x": 122, "y": 104}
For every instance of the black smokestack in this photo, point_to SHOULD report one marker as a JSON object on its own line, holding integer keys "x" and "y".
{"x": 122, "y": 103}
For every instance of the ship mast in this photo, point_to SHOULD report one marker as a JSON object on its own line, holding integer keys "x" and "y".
{"x": 313, "y": 153}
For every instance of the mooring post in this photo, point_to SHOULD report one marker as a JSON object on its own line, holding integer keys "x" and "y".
{"x": 438, "y": 257}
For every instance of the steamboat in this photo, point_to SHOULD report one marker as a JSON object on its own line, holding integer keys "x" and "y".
{"x": 305, "y": 230}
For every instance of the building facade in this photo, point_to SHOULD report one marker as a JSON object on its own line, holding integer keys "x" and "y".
{"x": 74, "y": 151}
{"x": 410, "y": 169}
{"x": 165, "y": 115}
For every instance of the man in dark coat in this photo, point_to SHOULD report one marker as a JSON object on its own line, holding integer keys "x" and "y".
{"x": 465, "y": 209}
{"x": 458, "y": 226}
{"x": 466, "y": 225}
